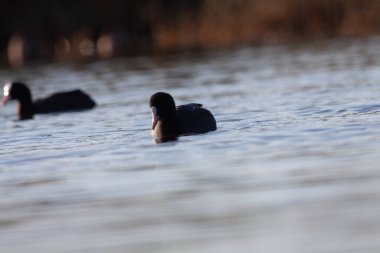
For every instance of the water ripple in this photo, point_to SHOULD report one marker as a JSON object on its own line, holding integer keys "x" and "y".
{"x": 293, "y": 161}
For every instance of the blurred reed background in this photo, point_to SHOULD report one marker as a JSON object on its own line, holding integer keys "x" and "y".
{"x": 86, "y": 30}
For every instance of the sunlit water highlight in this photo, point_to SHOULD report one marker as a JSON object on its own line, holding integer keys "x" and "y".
{"x": 293, "y": 166}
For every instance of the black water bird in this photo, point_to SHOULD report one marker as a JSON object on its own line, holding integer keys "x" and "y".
{"x": 59, "y": 102}
{"x": 169, "y": 121}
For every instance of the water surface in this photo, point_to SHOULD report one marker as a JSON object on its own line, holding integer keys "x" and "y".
{"x": 293, "y": 166}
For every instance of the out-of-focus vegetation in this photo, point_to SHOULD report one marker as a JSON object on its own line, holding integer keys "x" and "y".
{"x": 89, "y": 29}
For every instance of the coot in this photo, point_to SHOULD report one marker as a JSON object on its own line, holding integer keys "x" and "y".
{"x": 58, "y": 102}
{"x": 169, "y": 121}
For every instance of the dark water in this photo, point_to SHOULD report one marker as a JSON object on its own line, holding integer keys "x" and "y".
{"x": 293, "y": 167}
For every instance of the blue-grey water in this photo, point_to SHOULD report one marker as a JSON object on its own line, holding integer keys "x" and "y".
{"x": 293, "y": 167}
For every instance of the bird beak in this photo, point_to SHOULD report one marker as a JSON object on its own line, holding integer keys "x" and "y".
{"x": 155, "y": 117}
{"x": 4, "y": 100}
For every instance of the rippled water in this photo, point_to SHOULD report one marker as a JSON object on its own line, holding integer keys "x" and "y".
{"x": 293, "y": 166}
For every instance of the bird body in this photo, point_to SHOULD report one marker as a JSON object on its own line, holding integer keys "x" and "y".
{"x": 64, "y": 101}
{"x": 193, "y": 118}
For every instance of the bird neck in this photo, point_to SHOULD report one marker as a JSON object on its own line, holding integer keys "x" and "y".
{"x": 166, "y": 129}
{"x": 25, "y": 108}
{"x": 169, "y": 126}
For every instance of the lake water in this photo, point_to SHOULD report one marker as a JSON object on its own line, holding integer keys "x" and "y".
{"x": 293, "y": 166}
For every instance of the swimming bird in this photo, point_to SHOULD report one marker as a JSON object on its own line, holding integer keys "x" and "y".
{"x": 58, "y": 102}
{"x": 169, "y": 121}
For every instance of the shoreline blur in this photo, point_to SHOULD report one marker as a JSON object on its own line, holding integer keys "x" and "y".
{"x": 83, "y": 31}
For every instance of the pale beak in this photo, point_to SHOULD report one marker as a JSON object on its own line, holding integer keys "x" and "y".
{"x": 155, "y": 117}
{"x": 4, "y": 100}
